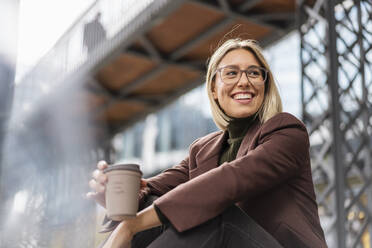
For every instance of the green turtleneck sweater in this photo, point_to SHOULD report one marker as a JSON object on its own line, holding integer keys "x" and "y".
{"x": 236, "y": 129}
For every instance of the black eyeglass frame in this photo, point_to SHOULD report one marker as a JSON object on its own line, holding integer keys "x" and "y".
{"x": 241, "y": 73}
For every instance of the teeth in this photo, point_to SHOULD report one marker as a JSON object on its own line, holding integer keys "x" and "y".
{"x": 243, "y": 96}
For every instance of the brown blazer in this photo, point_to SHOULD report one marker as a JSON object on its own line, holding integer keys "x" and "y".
{"x": 270, "y": 180}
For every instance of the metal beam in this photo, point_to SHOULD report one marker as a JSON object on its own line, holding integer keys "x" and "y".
{"x": 150, "y": 48}
{"x": 248, "y": 5}
{"x": 185, "y": 48}
{"x": 365, "y": 116}
{"x": 93, "y": 85}
{"x": 224, "y": 5}
{"x": 283, "y": 16}
{"x": 142, "y": 79}
{"x": 336, "y": 121}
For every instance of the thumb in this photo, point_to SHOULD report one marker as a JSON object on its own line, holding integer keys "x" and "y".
{"x": 143, "y": 182}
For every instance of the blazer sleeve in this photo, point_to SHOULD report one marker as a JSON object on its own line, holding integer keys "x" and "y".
{"x": 169, "y": 179}
{"x": 282, "y": 149}
{"x": 172, "y": 177}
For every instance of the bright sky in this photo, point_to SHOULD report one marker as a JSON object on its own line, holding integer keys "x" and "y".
{"x": 8, "y": 16}
{"x": 41, "y": 23}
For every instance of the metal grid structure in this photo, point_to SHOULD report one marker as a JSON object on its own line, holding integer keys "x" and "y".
{"x": 336, "y": 58}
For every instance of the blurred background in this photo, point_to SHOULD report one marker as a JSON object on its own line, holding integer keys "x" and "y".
{"x": 123, "y": 81}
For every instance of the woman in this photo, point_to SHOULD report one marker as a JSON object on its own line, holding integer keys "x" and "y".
{"x": 248, "y": 185}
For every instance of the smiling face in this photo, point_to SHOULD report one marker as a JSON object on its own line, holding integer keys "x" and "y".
{"x": 242, "y": 99}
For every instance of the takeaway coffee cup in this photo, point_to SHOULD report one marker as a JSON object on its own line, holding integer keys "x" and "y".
{"x": 122, "y": 190}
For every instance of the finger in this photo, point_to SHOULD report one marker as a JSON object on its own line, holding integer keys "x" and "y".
{"x": 99, "y": 198}
{"x": 102, "y": 179}
{"x": 91, "y": 195}
{"x": 99, "y": 176}
{"x": 92, "y": 184}
{"x": 102, "y": 165}
{"x": 95, "y": 173}
{"x": 143, "y": 183}
{"x": 97, "y": 187}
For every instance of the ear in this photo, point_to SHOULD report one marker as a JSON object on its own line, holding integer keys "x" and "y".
{"x": 214, "y": 93}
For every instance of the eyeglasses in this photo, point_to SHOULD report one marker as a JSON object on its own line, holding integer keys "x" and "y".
{"x": 231, "y": 74}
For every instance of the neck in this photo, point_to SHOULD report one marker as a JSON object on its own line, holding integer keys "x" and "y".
{"x": 239, "y": 126}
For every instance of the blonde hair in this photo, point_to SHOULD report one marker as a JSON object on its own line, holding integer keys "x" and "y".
{"x": 272, "y": 103}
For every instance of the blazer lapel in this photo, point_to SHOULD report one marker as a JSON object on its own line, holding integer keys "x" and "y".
{"x": 207, "y": 157}
{"x": 249, "y": 136}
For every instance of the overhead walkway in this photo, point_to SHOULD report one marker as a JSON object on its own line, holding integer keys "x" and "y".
{"x": 131, "y": 58}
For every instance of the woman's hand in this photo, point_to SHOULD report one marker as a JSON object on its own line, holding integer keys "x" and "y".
{"x": 98, "y": 184}
{"x": 121, "y": 237}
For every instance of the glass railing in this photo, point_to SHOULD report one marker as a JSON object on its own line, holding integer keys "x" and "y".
{"x": 105, "y": 28}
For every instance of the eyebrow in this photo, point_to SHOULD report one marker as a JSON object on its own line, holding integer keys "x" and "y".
{"x": 235, "y": 65}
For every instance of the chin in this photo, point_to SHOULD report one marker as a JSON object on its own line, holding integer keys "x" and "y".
{"x": 241, "y": 115}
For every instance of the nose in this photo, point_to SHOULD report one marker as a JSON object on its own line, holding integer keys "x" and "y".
{"x": 243, "y": 81}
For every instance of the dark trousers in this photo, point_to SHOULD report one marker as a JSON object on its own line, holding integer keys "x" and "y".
{"x": 233, "y": 228}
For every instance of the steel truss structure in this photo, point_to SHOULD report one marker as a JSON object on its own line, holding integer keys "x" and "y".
{"x": 336, "y": 59}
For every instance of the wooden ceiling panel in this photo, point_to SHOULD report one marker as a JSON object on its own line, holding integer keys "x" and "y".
{"x": 168, "y": 80}
{"x": 242, "y": 28}
{"x": 122, "y": 111}
{"x": 182, "y": 25}
{"x": 122, "y": 70}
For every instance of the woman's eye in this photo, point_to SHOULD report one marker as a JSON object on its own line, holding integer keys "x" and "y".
{"x": 231, "y": 73}
{"x": 254, "y": 73}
